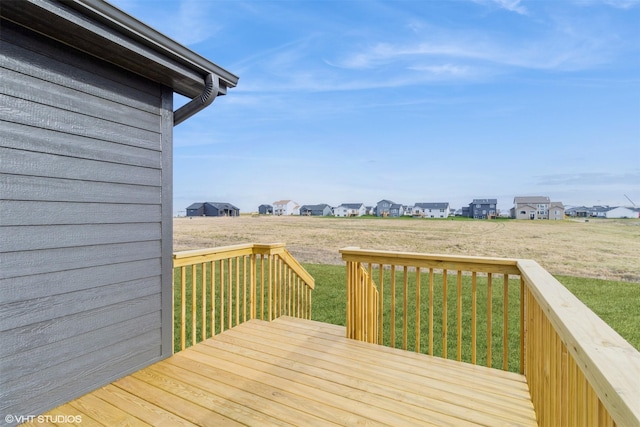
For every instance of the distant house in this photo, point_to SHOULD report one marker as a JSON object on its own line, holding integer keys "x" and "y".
{"x": 286, "y": 207}
{"x": 578, "y": 212}
{"x": 383, "y": 207}
{"x": 556, "y": 211}
{"x": 316, "y": 210}
{"x": 431, "y": 210}
{"x": 623, "y": 212}
{"x": 350, "y": 209}
{"x": 396, "y": 210}
{"x": 212, "y": 209}
{"x": 536, "y": 207}
{"x": 265, "y": 210}
{"x": 483, "y": 208}
{"x": 599, "y": 211}
{"x": 370, "y": 210}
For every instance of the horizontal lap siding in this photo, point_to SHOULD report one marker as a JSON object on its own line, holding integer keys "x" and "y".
{"x": 81, "y": 222}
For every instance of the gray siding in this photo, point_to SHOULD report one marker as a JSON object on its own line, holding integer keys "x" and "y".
{"x": 85, "y": 222}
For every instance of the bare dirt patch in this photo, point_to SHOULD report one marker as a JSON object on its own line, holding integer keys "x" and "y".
{"x": 606, "y": 249}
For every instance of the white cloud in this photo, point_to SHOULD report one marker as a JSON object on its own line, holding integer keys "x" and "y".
{"x": 510, "y": 5}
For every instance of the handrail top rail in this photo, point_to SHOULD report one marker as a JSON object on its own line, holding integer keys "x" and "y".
{"x": 190, "y": 257}
{"x": 414, "y": 259}
{"x": 354, "y": 250}
{"x": 609, "y": 362}
{"x": 229, "y": 248}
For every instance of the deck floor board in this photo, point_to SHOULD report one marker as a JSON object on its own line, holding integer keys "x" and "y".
{"x": 301, "y": 372}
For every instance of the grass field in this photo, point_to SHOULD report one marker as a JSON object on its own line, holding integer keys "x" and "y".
{"x": 603, "y": 249}
{"x": 597, "y": 261}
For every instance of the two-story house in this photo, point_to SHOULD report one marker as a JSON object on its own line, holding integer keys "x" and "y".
{"x": 286, "y": 207}
{"x": 536, "y": 207}
{"x": 483, "y": 208}
{"x": 431, "y": 210}
{"x": 396, "y": 210}
{"x": 383, "y": 207}
{"x": 350, "y": 209}
{"x": 265, "y": 209}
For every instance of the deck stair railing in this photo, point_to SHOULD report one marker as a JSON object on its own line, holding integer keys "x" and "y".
{"x": 218, "y": 288}
{"x": 505, "y": 313}
{"x": 362, "y": 305}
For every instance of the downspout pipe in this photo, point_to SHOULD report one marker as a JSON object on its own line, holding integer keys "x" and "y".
{"x": 211, "y": 88}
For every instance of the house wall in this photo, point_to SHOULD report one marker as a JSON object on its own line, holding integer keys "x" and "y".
{"x": 210, "y": 210}
{"x": 383, "y": 208}
{"x": 528, "y": 211}
{"x": 196, "y": 212}
{"x": 340, "y": 211}
{"x": 622, "y": 212}
{"x": 86, "y": 222}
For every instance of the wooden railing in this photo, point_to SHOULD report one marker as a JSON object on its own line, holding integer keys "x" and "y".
{"x": 218, "y": 288}
{"x": 506, "y": 313}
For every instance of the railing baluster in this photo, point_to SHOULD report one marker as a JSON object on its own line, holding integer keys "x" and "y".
{"x": 254, "y": 289}
{"x": 204, "y": 301}
{"x": 237, "y": 290}
{"x": 474, "y": 319}
{"x": 380, "y": 304}
{"x": 213, "y": 298}
{"x": 194, "y": 305}
{"x": 405, "y": 310}
{"x": 522, "y": 324}
{"x": 271, "y": 296}
{"x": 393, "y": 306}
{"x": 418, "y": 305}
{"x": 290, "y": 291}
{"x": 183, "y": 307}
{"x": 444, "y": 313}
{"x": 222, "y": 281}
{"x": 431, "y": 311}
{"x": 459, "y": 316}
{"x": 505, "y": 324}
{"x": 489, "y": 315}
{"x": 229, "y": 293}
{"x": 244, "y": 289}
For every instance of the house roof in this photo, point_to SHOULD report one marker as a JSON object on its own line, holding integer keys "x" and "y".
{"x": 321, "y": 206}
{"x": 396, "y": 206}
{"x": 217, "y": 205}
{"x": 282, "y": 202}
{"x": 352, "y": 205}
{"x": 386, "y": 200}
{"x": 223, "y": 205}
{"x": 484, "y": 201}
{"x": 437, "y": 205}
{"x": 106, "y": 32}
{"x": 531, "y": 200}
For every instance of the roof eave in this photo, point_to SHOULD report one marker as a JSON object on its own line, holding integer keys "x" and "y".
{"x": 104, "y": 31}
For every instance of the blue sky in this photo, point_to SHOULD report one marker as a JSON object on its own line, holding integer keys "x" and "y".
{"x": 344, "y": 101}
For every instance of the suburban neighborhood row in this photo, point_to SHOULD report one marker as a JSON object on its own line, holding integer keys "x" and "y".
{"x": 529, "y": 207}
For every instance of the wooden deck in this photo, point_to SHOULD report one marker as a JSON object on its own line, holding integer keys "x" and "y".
{"x": 301, "y": 372}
